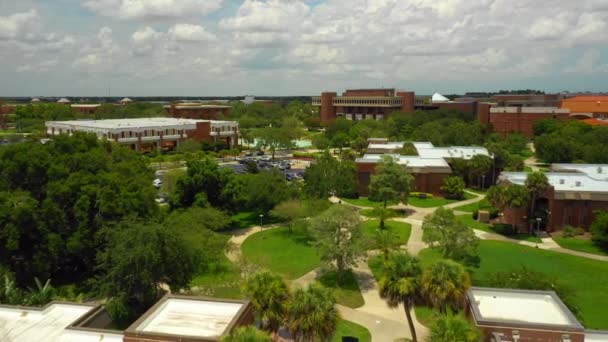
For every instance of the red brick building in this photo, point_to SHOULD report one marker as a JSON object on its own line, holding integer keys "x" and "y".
{"x": 506, "y": 120}
{"x": 198, "y": 111}
{"x": 5, "y": 110}
{"x": 576, "y": 191}
{"x": 587, "y": 106}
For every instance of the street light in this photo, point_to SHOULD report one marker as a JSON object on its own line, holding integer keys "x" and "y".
{"x": 261, "y": 223}
{"x": 483, "y": 181}
{"x": 538, "y": 219}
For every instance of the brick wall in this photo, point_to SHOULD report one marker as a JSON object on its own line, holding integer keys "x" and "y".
{"x": 369, "y": 92}
{"x": 506, "y": 123}
{"x": 531, "y": 335}
{"x": 199, "y": 113}
{"x": 409, "y": 100}
{"x": 423, "y": 182}
{"x": 328, "y": 111}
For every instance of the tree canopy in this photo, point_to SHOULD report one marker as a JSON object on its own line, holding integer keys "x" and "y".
{"x": 391, "y": 182}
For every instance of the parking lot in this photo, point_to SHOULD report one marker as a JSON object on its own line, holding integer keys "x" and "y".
{"x": 292, "y": 169}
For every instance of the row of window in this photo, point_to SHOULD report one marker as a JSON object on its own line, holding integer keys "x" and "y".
{"x": 396, "y": 102}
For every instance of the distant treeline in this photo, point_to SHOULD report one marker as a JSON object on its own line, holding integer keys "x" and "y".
{"x": 114, "y": 99}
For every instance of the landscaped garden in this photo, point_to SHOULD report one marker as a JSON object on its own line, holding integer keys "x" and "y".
{"x": 580, "y": 244}
{"x": 472, "y": 223}
{"x": 348, "y": 328}
{"x": 432, "y": 202}
{"x": 471, "y": 207}
{"x": 288, "y": 254}
{"x": 223, "y": 282}
{"x": 400, "y": 230}
{"x": 372, "y": 213}
{"x": 589, "y": 278}
{"x": 348, "y": 294}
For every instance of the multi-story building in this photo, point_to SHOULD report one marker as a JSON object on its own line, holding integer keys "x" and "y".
{"x": 576, "y": 191}
{"x": 85, "y": 108}
{"x": 151, "y": 133}
{"x": 583, "y": 107}
{"x": 509, "y": 315}
{"x": 198, "y": 111}
{"x": 429, "y": 168}
{"x": 172, "y": 318}
{"x": 506, "y": 120}
{"x": 358, "y": 104}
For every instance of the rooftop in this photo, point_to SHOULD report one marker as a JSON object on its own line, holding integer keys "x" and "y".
{"x": 195, "y": 106}
{"x": 411, "y": 161}
{"x": 133, "y": 123}
{"x": 461, "y": 152}
{"x": 193, "y": 317}
{"x": 526, "y": 307}
{"x": 595, "y": 171}
{"x": 562, "y": 181}
{"x": 586, "y": 104}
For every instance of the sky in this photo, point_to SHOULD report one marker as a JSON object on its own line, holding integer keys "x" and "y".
{"x": 299, "y": 47}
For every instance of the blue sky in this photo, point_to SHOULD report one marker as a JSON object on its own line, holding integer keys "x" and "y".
{"x": 299, "y": 47}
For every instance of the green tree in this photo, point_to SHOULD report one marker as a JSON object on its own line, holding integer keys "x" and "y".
{"x": 359, "y": 145}
{"x": 263, "y": 191}
{"x": 170, "y": 178}
{"x": 451, "y": 237}
{"x": 408, "y": 149}
{"x": 203, "y": 184}
{"x": 454, "y": 328}
{"x": 503, "y": 196}
{"x": 329, "y": 176}
{"x": 599, "y": 229}
{"x": 391, "y": 182}
{"x": 385, "y": 242}
{"x": 400, "y": 284}
{"x": 40, "y": 295}
{"x": 382, "y": 213}
{"x": 247, "y": 334}
{"x": 340, "y": 141}
{"x": 292, "y": 127}
{"x": 536, "y": 184}
{"x": 273, "y": 138}
{"x": 312, "y": 314}
{"x": 338, "y": 236}
{"x": 445, "y": 284}
{"x": 268, "y": 294}
{"x": 453, "y": 187}
{"x": 189, "y": 146}
{"x": 479, "y": 165}
{"x": 139, "y": 258}
{"x": 290, "y": 211}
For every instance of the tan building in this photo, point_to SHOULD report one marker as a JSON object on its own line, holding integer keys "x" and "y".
{"x": 198, "y": 111}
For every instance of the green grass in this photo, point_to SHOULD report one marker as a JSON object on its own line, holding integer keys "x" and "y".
{"x": 435, "y": 201}
{"x": 363, "y": 202}
{"x": 246, "y": 219}
{"x": 589, "y": 278}
{"x": 470, "y": 222}
{"x": 370, "y": 213}
{"x": 224, "y": 282}
{"x": 477, "y": 191}
{"x": 527, "y": 169}
{"x": 348, "y": 328}
{"x": 288, "y": 254}
{"x": 348, "y": 294}
{"x": 401, "y": 231}
{"x": 426, "y": 315}
{"x": 471, "y": 207}
{"x": 581, "y": 245}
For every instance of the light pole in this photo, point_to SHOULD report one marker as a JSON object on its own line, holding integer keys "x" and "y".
{"x": 538, "y": 219}
{"x": 261, "y": 222}
{"x": 483, "y": 181}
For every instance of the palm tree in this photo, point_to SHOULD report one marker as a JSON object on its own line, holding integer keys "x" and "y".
{"x": 385, "y": 242}
{"x": 247, "y": 334}
{"x": 454, "y": 328}
{"x": 382, "y": 213}
{"x": 268, "y": 294}
{"x": 445, "y": 284}
{"x": 312, "y": 314}
{"x": 9, "y": 294}
{"x": 536, "y": 184}
{"x": 42, "y": 294}
{"x": 400, "y": 284}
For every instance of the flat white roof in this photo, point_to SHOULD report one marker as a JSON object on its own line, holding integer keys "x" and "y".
{"x": 386, "y": 146}
{"x": 595, "y": 171}
{"x": 411, "y": 161}
{"x": 562, "y": 181}
{"x": 529, "y": 307}
{"x": 461, "y": 152}
{"x": 85, "y": 105}
{"x": 25, "y": 325}
{"x": 196, "y": 106}
{"x": 186, "y": 317}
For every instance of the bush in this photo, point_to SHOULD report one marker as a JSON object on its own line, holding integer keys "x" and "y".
{"x": 453, "y": 187}
{"x": 504, "y": 229}
{"x": 570, "y": 231}
{"x": 494, "y": 212}
{"x": 421, "y": 195}
{"x": 475, "y": 215}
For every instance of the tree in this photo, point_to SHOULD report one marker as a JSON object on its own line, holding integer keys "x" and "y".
{"x": 189, "y": 146}
{"x": 289, "y": 211}
{"x": 312, "y": 314}
{"x": 170, "y": 178}
{"x": 247, "y": 334}
{"x": 293, "y": 127}
{"x": 139, "y": 258}
{"x": 536, "y": 184}
{"x": 453, "y": 187}
{"x": 503, "y": 196}
{"x": 385, "y": 242}
{"x": 203, "y": 184}
{"x": 599, "y": 229}
{"x": 391, "y": 182}
{"x": 268, "y": 294}
{"x": 382, "y": 213}
{"x": 479, "y": 165}
{"x": 337, "y": 234}
{"x": 451, "y": 237}
{"x": 445, "y": 285}
{"x": 328, "y": 176}
{"x": 41, "y": 294}
{"x": 400, "y": 284}
{"x": 448, "y": 328}
{"x": 408, "y": 149}
{"x": 273, "y": 138}
{"x": 263, "y": 191}
{"x": 340, "y": 140}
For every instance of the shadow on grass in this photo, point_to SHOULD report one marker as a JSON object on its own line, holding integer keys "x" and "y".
{"x": 347, "y": 294}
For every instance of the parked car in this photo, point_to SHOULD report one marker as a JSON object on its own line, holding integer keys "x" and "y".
{"x": 157, "y": 183}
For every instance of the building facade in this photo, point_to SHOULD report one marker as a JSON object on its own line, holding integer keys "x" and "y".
{"x": 576, "y": 191}
{"x": 359, "y": 104}
{"x": 429, "y": 168}
{"x": 198, "y": 111}
{"x": 507, "y": 120}
{"x": 151, "y": 133}
{"x": 587, "y": 106}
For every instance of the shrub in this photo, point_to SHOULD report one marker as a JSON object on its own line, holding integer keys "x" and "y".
{"x": 475, "y": 215}
{"x": 494, "y": 212}
{"x": 421, "y": 195}
{"x": 504, "y": 229}
{"x": 453, "y": 187}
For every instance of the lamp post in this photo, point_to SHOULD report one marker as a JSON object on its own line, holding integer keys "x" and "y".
{"x": 261, "y": 222}
{"x": 538, "y": 219}
{"x": 483, "y": 182}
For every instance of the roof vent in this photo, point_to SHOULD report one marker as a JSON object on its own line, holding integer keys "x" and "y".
{"x": 599, "y": 169}
{"x": 566, "y": 338}
{"x": 578, "y": 183}
{"x": 562, "y": 181}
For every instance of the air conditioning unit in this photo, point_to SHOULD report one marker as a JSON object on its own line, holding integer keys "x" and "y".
{"x": 578, "y": 183}
{"x": 562, "y": 181}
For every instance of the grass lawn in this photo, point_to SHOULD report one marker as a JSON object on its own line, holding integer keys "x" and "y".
{"x": 363, "y": 202}
{"x": 248, "y": 219}
{"x": 469, "y": 208}
{"x": 470, "y": 222}
{"x": 581, "y": 245}
{"x": 435, "y": 201}
{"x": 425, "y": 315}
{"x": 225, "y": 282}
{"x": 348, "y": 294}
{"x": 527, "y": 169}
{"x": 348, "y": 328}
{"x": 288, "y": 254}
{"x": 394, "y": 213}
{"x": 401, "y": 231}
{"x": 589, "y": 278}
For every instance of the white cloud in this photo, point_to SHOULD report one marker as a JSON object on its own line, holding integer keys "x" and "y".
{"x": 18, "y": 25}
{"x": 146, "y": 9}
{"x": 98, "y": 55}
{"x": 144, "y": 40}
{"x": 190, "y": 33}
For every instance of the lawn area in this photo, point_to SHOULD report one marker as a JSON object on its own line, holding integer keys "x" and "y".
{"x": 348, "y": 294}
{"x": 589, "y": 278}
{"x": 394, "y": 213}
{"x": 527, "y": 169}
{"x": 224, "y": 282}
{"x": 401, "y": 231}
{"x": 246, "y": 219}
{"x": 363, "y": 202}
{"x": 578, "y": 244}
{"x": 469, "y": 208}
{"x": 348, "y": 328}
{"x": 435, "y": 201}
{"x": 425, "y": 315}
{"x": 288, "y": 254}
{"x": 470, "y": 222}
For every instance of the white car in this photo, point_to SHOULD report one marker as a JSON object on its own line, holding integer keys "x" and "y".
{"x": 157, "y": 183}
